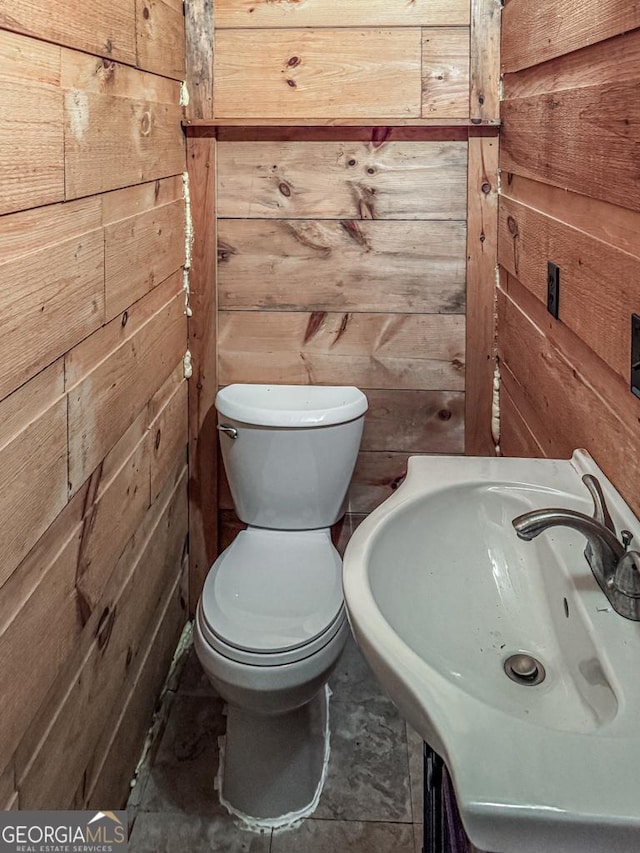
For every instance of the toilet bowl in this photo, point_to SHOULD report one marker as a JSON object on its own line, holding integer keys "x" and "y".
{"x": 271, "y": 623}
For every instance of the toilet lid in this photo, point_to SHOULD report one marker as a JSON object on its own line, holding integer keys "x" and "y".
{"x": 273, "y": 590}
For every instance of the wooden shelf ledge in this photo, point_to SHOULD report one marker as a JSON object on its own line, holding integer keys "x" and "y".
{"x": 376, "y": 130}
{"x": 194, "y": 124}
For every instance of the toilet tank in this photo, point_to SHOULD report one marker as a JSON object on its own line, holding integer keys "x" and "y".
{"x": 289, "y": 451}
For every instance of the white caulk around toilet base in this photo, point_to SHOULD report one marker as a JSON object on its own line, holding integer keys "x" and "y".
{"x": 272, "y": 776}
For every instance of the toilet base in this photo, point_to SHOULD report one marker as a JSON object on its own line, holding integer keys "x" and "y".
{"x": 272, "y": 769}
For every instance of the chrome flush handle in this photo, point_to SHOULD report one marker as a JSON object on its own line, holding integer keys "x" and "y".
{"x": 232, "y": 432}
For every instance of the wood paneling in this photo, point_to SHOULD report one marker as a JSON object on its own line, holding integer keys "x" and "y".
{"x": 617, "y": 226}
{"x": 410, "y": 351}
{"x": 140, "y": 252}
{"x": 33, "y": 450}
{"x": 63, "y": 580}
{"x": 113, "y": 142}
{"x": 570, "y": 187}
{"x": 75, "y": 506}
{"x": 124, "y": 497}
{"x": 169, "y": 430}
{"x": 414, "y": 421}
{"x": 486, "y": 18}
{"x": 516, "y": 438}
{"x": 545, "y": 136}
{"x": 534, "y": 33}
{"x": 122, "y": 126}
{"x": 350, "y": 272}
{"x": 600, "y": 285}
{"x": 317, "y": 73}
{"x": 114, "y": 759}
{"x": 382, "y": 266}
{"x": 31, "y": 137}
{"x": 572, "y": 392}
{"x": 376, "y": 477}
{"x": 49, "y": 300}
{"x": 199, "y": 58}
{"x": 403, "y": 180}
{"x": 445, "y": 72}
{"x": 340, "y": 13}
{"x": 88, "y": 74}
{"x": 482, "y": 247}
{"x": 111, "y": 394}
{"x": 112, "y": 654}
{"x": 7, "y": 789}
{"x": 203, "y": 345}
{"x": 612, "y": 61}
{"x": 103, "y": 27}
{"x": 40, "y": 592}
{"x": 160, "y": 37}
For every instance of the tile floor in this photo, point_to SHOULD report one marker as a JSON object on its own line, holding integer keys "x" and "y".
{"x": 371, "y": 803}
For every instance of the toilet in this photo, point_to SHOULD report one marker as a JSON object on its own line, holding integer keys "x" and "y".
{"x": 271, "y": 622}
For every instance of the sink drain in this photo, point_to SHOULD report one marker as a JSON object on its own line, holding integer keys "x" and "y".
{"x": 524, "y": 669}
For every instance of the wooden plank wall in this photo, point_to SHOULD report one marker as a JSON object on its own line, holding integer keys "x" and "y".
{"x": 350, "y": 272}
{"x": 571, "y": 195}
{"x": 343, "y": 251}
{"x": 342, "y": 59}
{"x": 93, "y": 403}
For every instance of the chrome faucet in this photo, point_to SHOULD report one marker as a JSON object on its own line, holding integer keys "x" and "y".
{"x": 614, "y": 566}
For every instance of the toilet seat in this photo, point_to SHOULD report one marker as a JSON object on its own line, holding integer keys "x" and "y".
{"x": 273, "y": 596}
{"x": 269, "y": 659}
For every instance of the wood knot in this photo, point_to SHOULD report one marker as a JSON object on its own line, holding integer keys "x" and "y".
{"x": 145, "y": 124}
{"x": 457, "y": 363}
{"x": 146, "y": 13}
{"x": 291, "y": 83}
{"x": 125, "y": 319}
{"x": 105, "y": 627}
{"x": 512, "y": 225}
{"x": 397, "y": 482}
{"x": 285, "y": 189}
{"x": 294, "y": 62}
{"x": 481, "y": 99}
{"x": 352, "y": 162}
{"x": 316, "y": 319}
{"x": 486, "y": 188}
{"x": 444, "y": 415}
{"x": 158, "y": 439}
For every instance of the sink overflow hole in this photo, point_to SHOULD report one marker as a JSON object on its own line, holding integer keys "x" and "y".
{"x": 524, "y": 669}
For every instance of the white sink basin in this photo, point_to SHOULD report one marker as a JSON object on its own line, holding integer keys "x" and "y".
{"x": 440, "y": 592}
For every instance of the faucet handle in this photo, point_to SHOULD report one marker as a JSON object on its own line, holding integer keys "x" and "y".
{"x": 627, "y": 575}
{"x": 600, "y": 510}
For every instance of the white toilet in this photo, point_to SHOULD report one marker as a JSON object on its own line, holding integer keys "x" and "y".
{"x": 271, "y": 621}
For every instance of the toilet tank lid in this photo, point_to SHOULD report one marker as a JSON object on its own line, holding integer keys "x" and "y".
{"x": 291, "y": 406}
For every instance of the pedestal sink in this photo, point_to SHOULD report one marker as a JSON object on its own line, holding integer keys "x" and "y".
{"x": 441, "y": 593}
